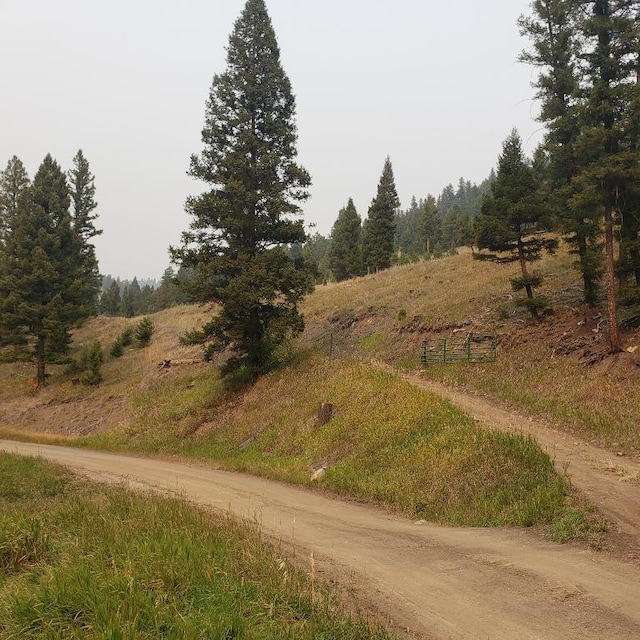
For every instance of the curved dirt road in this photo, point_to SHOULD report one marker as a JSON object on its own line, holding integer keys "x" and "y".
{"x": 610, "y": 482}
{"x": 431, "y": 581}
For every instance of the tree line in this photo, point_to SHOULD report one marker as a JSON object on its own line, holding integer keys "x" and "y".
{"x": 127, "y": 298}
{"x": 582, "y": 183}
{"x": 49, "y": 278}
{"x": 429, "y": 228}
{"x": 247, "y": 250}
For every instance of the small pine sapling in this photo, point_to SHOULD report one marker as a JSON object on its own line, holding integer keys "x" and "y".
{"x": 144, "y": 331}
{"x": 95, "y": 358}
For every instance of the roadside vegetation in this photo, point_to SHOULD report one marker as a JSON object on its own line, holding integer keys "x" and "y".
{"x": 83, "y": 560}
{"x": 387, "y": 442}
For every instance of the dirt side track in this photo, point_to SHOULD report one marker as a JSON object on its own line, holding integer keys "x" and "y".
{"x": 428, "y": 581}
{"x": 609, "y": 481}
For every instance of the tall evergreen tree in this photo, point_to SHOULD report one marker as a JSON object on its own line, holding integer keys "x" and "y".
{"x": 379, "y": 227}
{"x": 345, "y": 256}
{"x": 589, "y": 52}
{"x": 613, "y": 163}
{"x": 409, "y": 241}
{"x": 242, "y": 225}
{"x": 82, "y": 190}
{"x": 557, "y": 43}
{"x": 451, "y": 228}
{"x": 514, "y": 220}
{"x": 431, "y": 227}
{"x": 13, "y": 183}
{"x": 40, "y": 300}
{"x": 110, "y": 301}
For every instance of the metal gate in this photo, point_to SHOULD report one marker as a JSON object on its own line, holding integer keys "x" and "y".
{"x": 470, "y": 348}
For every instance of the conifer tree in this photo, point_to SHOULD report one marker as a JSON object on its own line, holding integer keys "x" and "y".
{"x": 588, "y": 52}
{"x": 379, "y": 227}
{"x": 431, "y": 227}
{"x": 82, "y": 190}
{"x": 451, "y": 228}
{"x": 110, "y": 301}
{"x": 613, "y": 163}
{"x": 557, "y": 43}
{"x": 514, "y": 219}
{"x": 127, "y": 307}
{"x": 345, "y": 257}
{"x": 39, "y": 269}
{"x": 13, "y": 183}
{"x": 243, "y": 224}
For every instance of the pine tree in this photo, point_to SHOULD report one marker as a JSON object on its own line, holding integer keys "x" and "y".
{"x": 609, "y": 167}
{"x": 589, "y": 53}
{"x": 451, "y": 228}
{"x": 127, "y": 308}
{"x": 110, "y": 301}
{"x": 408, "y": 240}
{"x": 379, "y": 227}
{"x": 557, "y": 45}
{"x": 345, "y": 257}
{"x": 39, "y": 269}
{"x": 431, "y": 227}
{"x": 14, "y": 181}
{"x": 82, "y": 190}
{"x": 513, "y": 220}
{"x": 242, "y": 226}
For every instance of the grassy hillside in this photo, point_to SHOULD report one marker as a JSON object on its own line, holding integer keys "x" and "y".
{"x": 388, "y": 442}
{"x": 558, "y": 368}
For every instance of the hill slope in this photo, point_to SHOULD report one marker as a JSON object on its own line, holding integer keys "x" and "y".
{"x": 384, "y": 431}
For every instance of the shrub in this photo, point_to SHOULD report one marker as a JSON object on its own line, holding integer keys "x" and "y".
{"x": 95, "y": 359}
{"x": 117, "y": 348}
{"x": 144, "y": 331}
{"x": 126, "y": 337}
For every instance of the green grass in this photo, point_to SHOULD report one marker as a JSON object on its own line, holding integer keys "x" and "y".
{"x": 114, "y": 564}
{"x": 388, "y": 442}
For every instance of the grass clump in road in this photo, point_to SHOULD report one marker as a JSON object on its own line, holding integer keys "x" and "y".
{"x": 120, "y": 565}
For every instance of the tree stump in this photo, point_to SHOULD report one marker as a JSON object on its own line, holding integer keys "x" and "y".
{"x": 324, "y": 414}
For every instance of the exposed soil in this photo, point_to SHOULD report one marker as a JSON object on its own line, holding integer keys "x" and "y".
{"x": 424, "y": 581}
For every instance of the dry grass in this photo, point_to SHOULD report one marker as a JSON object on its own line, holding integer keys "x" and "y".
{"x": 542, "y": 367}
{"x": 66, "y": 409}
{"x": 270, "y": 428}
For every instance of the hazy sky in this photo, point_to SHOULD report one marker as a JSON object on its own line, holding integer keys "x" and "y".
{"x": 434, "y": 85}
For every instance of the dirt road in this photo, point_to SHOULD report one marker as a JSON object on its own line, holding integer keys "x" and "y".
{"x": 609, "y": 481}
{"x": 432, "y": 582}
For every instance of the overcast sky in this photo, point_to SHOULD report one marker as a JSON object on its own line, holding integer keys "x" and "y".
{"x": 434, "y": 85}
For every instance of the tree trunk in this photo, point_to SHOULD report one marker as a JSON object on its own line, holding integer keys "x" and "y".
{"x": 523, "y": 267}
{"x": 610, "y": 283}
{"x": 40, "y": 374}
{"x": 588, "y": 282}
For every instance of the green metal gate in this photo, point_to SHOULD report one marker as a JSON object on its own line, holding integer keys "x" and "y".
{"x": 470, "y": 348}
